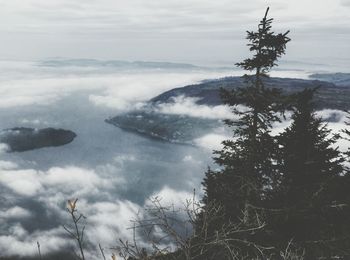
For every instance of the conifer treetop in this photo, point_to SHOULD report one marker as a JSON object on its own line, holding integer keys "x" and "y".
{"x": 267, "y": 46}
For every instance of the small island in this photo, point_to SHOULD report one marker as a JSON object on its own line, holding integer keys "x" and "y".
{"x": 20, "y": 139}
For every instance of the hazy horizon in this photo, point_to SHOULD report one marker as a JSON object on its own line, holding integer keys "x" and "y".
{"x": 199, "y": 32}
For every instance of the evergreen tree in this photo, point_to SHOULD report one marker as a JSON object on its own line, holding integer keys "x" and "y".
{"x": 247, "y": 168}
{"x": 247, "y": 160}
{"x": 347, "y": 133}
{"x": 313, "y": 193}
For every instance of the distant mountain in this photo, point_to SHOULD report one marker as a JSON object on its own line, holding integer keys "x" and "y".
{"x": 329, "y": 95}
{"x": 22, "y": 139}
{"x": 185, "y": 129}
{"x": 340, "y": 79}
{"x": 60, "y": 62}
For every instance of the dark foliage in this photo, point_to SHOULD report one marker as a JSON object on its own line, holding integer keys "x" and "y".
{"x": 247, "y": 161}
{"x": 266, "y": 46}
{"x": 347, "y": 136}
{"x": 311, "y": 198}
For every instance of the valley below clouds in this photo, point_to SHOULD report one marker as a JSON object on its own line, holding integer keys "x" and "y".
{"x": 114, "y": 173}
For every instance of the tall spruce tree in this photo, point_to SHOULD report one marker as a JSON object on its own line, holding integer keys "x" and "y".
{"x": 313, "y": 194}
{"x": 247, "y": 168}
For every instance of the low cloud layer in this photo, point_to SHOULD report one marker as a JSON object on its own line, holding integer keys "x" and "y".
{"x": 182, "y": 105}
{"x": 21, "y": 243}
{"x": 108, "y": 218}
{"x": 26, "y": 84}
{"x": 334, "y": 119}
{"x": 71, "y": 180}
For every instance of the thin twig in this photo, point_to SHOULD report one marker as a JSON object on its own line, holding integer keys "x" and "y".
{"x": 38, "y": 244}
{"x": 103, "y": 254}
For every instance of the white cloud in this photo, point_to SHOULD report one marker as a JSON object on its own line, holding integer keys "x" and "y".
{"x": 7, "y": 165}
{"x": 15, "y": 213}
{"x": 74, "y": 179}
{"x": 107, "y": 220}
{"x": 170, "y": 197}
{"x": 36, "y": 122}
{"x": 71, "y": 181}
{"x": 110, "y": 221}
{"x": 211, "y": 141}
{"x": 182, "y": 105}
{"x": 130, "y": 89}
{"x": 19, "y": 242}
{"x": 22, "y": 182}
{"x": 43, "y": 86}
{"x": 338, "y": 118}
{"x": 279, "y": 127}
{"x": 4, "y": 148}
{"x": 337, "y": 124}
{"x": 187, "y": 158}
{"x": 42, "y": 91}
{"x": 51, "y": 189}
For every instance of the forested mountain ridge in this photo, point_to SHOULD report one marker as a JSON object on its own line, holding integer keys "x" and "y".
{"x": 330, "y": 95}
{"x": 185, "y": 128}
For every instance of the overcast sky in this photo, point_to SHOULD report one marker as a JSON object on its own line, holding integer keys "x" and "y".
{"x": 196, "y": 31}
